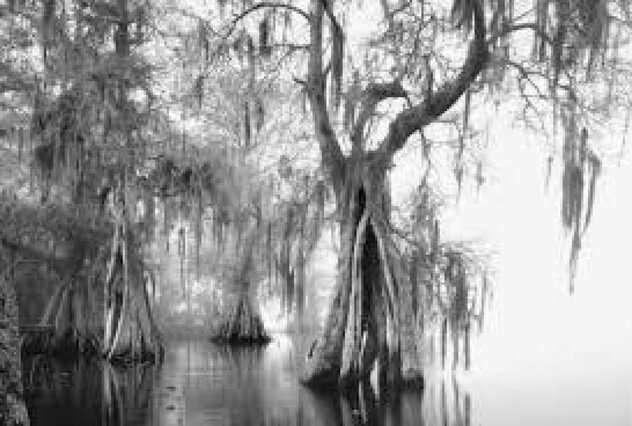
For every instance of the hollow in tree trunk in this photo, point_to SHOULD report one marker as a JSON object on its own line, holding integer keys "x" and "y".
{"x": 371, "y": 323}
{"x": 371, "y": 316}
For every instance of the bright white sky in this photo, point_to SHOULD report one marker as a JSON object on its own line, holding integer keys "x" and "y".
{"x": 576, "y": 348}
{"x": 547, "y": 357}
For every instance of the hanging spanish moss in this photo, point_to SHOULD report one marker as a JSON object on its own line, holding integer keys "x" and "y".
{"x": 247, "y": 128}
{"x": 265, "y": 47}
{"x": 203, "y": 39}
{"x": 250, "y": 49}
{"x": 259, "y": 113}
{"x": 299, "y": 222}
{"x": 579, "y": 178}
{"x": 283, "y": 234}
{"x": 337, "y": 58}
{"x": 74, "y": 248}
{"x": 198, "y": 90}
{"x": 450, "y": 281}
{"x": 242, "y": 324}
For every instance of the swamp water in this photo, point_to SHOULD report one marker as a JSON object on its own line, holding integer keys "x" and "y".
{"x": 201, "y": 383}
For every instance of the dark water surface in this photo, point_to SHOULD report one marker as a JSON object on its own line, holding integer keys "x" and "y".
{"x": 201, "y": 383}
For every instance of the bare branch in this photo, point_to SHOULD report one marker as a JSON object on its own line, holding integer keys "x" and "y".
{"x": 388, "y": 15}
{"x": 331, "y": 155}
{"x": 438, "y": 102}
{"x": 371, "y": 97}
{"x": 518, "y": 27}
{"x": 264, "y": 5}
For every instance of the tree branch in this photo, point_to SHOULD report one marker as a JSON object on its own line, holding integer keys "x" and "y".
{"x": 388, "y": 15}
{"x": 330, "y": 14}
{"x": 371, "y": 97}
{"x": 518, "y": 27}
{"x": 439, "y": 101}
{"x": 331, "y": 155}
{"x": 264, "y": 5}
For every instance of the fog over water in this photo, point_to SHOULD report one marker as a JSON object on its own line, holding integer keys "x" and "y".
{"x": 545, "y": 356}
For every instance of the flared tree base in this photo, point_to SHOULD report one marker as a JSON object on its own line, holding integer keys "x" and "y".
{"x": 371, "y": 328}
{"x": 242, "y": 327}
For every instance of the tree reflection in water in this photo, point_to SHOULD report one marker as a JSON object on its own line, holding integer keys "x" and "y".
{"x": 127, "y": 394}
{"x": 362, "y": 408}
{"x": 87, "y": 393}
{"x": 201, "y": 383}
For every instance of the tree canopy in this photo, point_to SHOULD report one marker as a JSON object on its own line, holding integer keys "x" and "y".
{"x": 557, "y": 67}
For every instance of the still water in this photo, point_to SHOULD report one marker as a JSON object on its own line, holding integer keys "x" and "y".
{"x": 201, "y": 383}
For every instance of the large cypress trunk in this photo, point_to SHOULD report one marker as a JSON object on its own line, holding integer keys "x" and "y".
{"x": 371, "y": 316}
{"x": 371, "y": 324}
{"x": 130, "y": 332}
{"x": 12, "y": 408}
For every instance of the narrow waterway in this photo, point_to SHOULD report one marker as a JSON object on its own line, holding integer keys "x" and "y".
{"x": 201, "y": 383}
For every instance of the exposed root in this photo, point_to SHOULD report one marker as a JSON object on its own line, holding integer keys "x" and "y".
{"x": 130, "y": 333}
{"x": 371, "y": 316}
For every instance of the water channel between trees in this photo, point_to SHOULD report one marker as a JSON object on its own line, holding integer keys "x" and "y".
{"x": 201, "y": 383}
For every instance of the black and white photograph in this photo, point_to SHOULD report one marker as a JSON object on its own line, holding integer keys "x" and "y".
{"x": 315, "y": 212}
